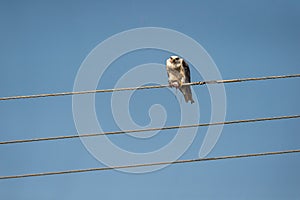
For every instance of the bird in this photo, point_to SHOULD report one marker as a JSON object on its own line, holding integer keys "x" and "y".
{"x": 179, "y": 73}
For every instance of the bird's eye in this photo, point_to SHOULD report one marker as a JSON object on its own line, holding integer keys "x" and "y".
{"x": 177, "y": 58}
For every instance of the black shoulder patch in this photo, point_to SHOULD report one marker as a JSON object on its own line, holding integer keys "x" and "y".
{"x": 187, "y": 71}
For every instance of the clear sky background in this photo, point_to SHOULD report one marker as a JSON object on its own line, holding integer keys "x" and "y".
{"x": 43, "y": 44}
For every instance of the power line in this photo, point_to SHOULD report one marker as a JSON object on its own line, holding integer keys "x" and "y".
{"x": 150, "y": 129}
{"x": 147, "y": 87}
{"x": 244, "y": 79}
{"x": 150, "y": 164}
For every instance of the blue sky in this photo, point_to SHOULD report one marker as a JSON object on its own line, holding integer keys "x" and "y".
{"x": 43, "y": 44}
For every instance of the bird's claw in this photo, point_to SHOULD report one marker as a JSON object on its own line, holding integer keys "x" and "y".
{"x": 174, "y": 84}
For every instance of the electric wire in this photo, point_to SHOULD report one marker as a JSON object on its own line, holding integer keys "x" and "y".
{"x": 147, "y": 87}
{"x": 150, "y": 129}
{"x": 150, "y": 164}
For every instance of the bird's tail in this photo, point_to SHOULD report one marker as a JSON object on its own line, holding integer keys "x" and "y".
{"x": 187, "y": 93}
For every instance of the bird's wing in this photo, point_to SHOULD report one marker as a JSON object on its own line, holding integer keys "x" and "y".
{"x": 186, "y": 90}
{"x": 186, "y": 72}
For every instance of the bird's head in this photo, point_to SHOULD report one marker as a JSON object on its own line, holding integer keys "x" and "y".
{"x": 174, "y": 60}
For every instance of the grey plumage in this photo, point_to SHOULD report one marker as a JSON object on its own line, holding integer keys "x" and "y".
{"x": 178, "y": 73}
